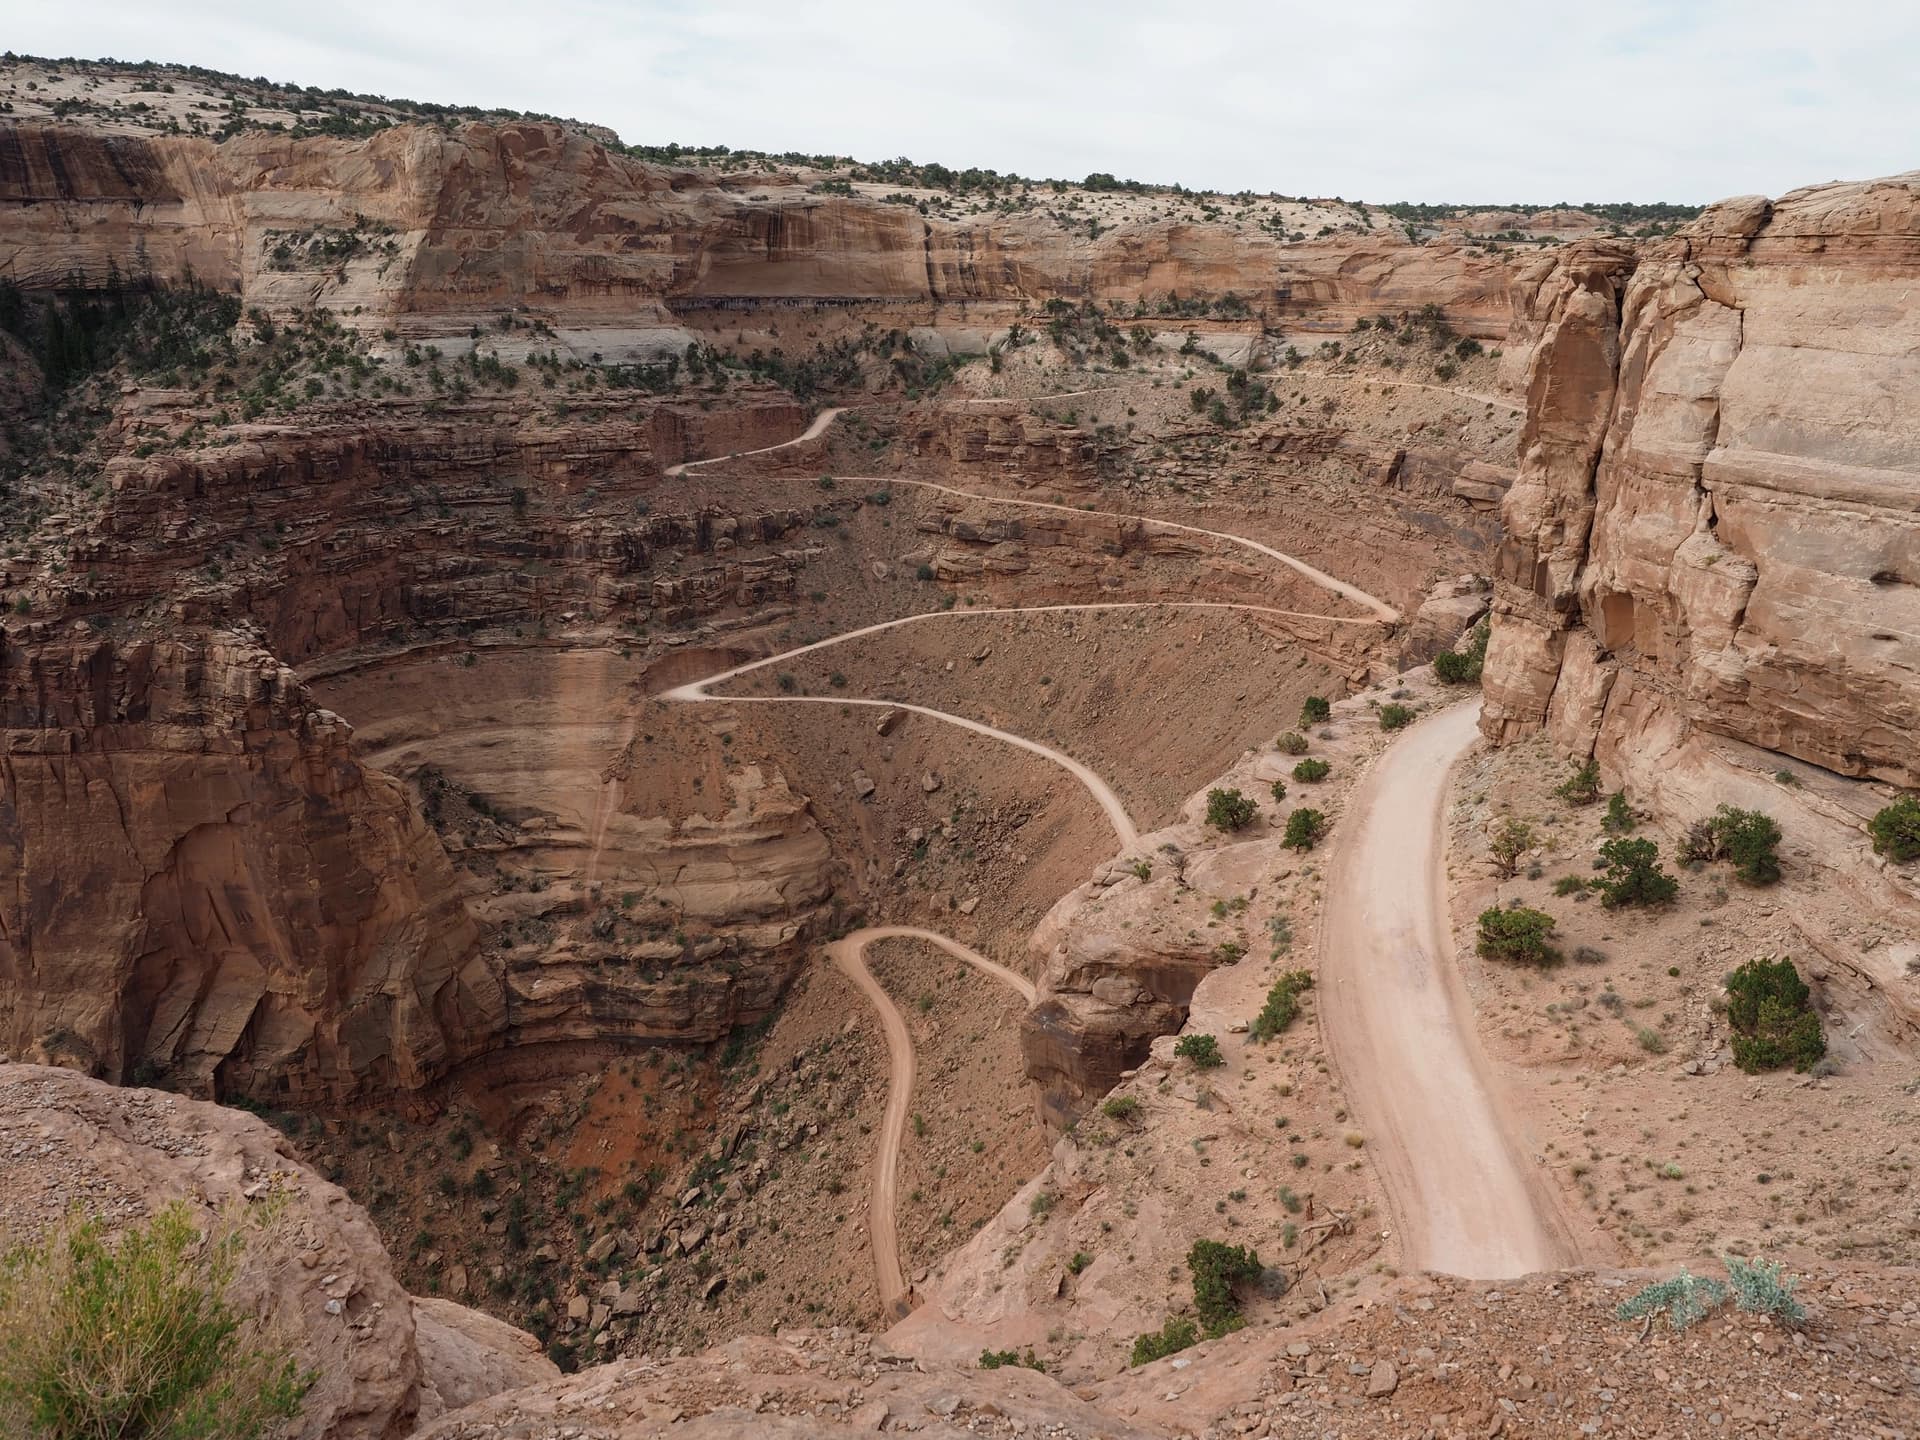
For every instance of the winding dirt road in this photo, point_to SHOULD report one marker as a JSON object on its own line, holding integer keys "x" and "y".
{"x": 850, "y": 958}
{"x": 812, "y": 432}
{"x": 1123, "y": 825}
{"x": 1400, "y": 1028}
{"x": 1381, "y": 610}
{"x": 1398, "y": 1022}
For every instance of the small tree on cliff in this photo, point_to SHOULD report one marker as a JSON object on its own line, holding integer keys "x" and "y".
{"x": 1230, "y": 810}
{"x": 1896, "y": 830}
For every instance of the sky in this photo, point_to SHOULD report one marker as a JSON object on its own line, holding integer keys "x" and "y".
{"x": 1499, "y": 101}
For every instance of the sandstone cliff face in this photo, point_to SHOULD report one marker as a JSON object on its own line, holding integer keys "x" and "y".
{"x": 1717, "y": 513}
{"x": 429, "y": 232}
{"x": 202, "y": 881}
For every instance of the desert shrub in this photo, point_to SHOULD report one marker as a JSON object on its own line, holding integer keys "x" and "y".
{"x": 1230, "y": 810}
{"x": 1279, "y": 791}
{"x": 1121, "y": 1107}
{"x": 1170, "y": 1339}
{"x": 1770, "y": 1011}
{"x": 1896, "y": 830}
{"x": 1634, "y": 875}
{"x": 1756, "y": 1286}
{"x": 1312, "y": 771}
{"x": 1314, "y": 709}
{"x": 1759, "y": 1288}
{"x": 133, "y": 1338}
{"x": 1218, "y": 1272}
{"x": 1620, "y": 817}
{"x": 1396, "y": 717}
{"x": 1464, "y": 666}
{"x": 1291, "y": 742}
{"x": 1569, "y": 885}
{"x": 1751, "y": 840}
{"x": 1519, "y": 934}
{"x": 997, "y": 1359}
{"x": 1512, "y": 840}
{"x": 1283, "y": 1005}
{"x": 1582, "y": 787}
{"x": 1684, "y": 1299}
{"x": 1202, "y": 1050}
{"x": 1304, "y": 829}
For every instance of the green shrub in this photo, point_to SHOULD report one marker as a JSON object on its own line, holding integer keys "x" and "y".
{"x": 1080, "y": 1261}
{"x": 1759, "y": 1288}
{"x": 1770, "y": 1011}
{"x": 1620, "y": 817}
{"x": 1464, "y": 666}
{"x": 1291, "y": 742}
{"x": 1569, "y": 885}
{"x": 1519, "y": 934}
{"x": 1283, "y": 1005}
{"x": 1218, "y": 1272}
{"x": 1121, "y": 1107}
{"x": 1170, "y": 1339}
{"x": 1396, "y": 717}
{"x": 1751, "y": 840}
{"x": 1314, "y": 710}
{"x": 1582, "y": 787}
{"x": 1279, "y": 791}
{"x": 1634, "y": 876}
{"x": 133, "y": 1338}
{"x": 1684, "y": 1300}
{"x": 1230, "y": 810}
{"x": 996, "y": 1359}
{"x": 1896, "y": 830}
{"x": 1304, "y": 829}
{"x": 1202, "y": 1050}
{"x": 1756, "y": 1286}
{"x": 1312, "y": 771}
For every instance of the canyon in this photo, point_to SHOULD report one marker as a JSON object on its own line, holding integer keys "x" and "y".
{"x": 659, "y": 722}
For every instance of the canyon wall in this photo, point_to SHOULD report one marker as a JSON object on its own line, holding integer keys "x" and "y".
{"x": 1717, "y": 512}
{"x": 428, "y": 232}
{"x": 211, "y": 878}
{"x": 203, "y": 881}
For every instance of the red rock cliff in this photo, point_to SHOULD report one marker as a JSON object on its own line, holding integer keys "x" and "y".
{"x": 1717, "y": 514}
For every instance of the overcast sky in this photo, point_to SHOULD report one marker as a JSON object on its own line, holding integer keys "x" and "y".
{"x": 1468, "y": 100}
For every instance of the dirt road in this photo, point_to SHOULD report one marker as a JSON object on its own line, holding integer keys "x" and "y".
{"x": 850, "y": 957}
{"x": 1124, "y": 829}
{"x": 1400, "y": 1028}
{"x": 812, "y": 432}
{"x": 1379, "y": 608}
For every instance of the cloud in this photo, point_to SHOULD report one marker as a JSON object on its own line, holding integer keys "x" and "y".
{"x": 1479, "y": 100}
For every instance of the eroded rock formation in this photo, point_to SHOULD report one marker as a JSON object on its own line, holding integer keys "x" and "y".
{"x": 203, "y": 880}
{"x": 1715, "y": 514}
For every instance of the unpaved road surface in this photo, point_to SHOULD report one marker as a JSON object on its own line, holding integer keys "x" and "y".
{"x": 1400, "y": 1028}
{"x": 850, "y": 957}
{"x": 1124, "y": 829}
{"x": 812, "y": 432}
{"x": 1381, "y": 610}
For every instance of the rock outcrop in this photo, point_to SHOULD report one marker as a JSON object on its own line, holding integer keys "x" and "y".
{"x": 203, "y": 881}
{"x": 314, "y": 1270}
{"x": 1717, "y": 514}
